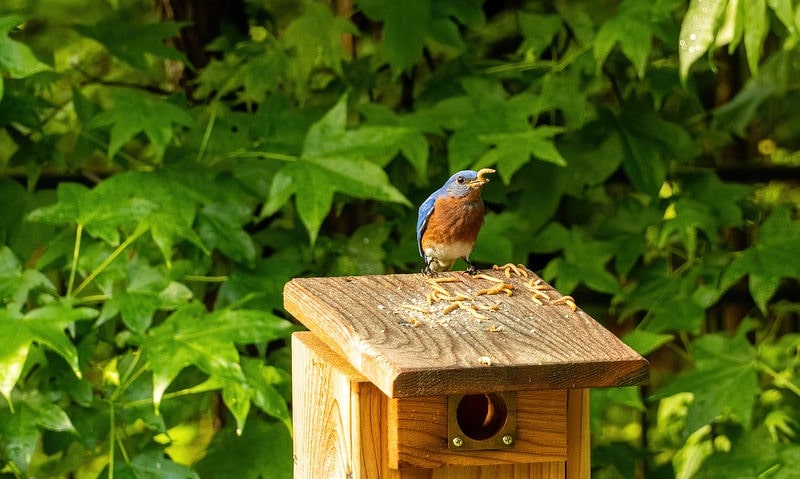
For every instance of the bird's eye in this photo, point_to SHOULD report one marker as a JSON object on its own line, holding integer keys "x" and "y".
{"x": 460, "y": 180}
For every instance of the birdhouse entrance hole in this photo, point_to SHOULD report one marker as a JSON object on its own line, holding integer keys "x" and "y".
{"x": 482, "y": 421}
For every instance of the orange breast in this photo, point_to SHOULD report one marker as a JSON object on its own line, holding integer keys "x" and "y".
{"x": 454, "y": 220}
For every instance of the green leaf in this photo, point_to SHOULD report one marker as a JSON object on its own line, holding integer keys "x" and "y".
{"x": 191, "y": 336}
{"x": 363, "y": 252}
{"x": 16, "y": 283}
{"x": 755, "y": 31}
{"x": 315, "y": 37}
{"x": 221, "y": 227}
{"x": 263, "y": 450}
{"x": 752, "y": 454}
{"x": 584, "y": 261}
{"x": 20, "y": 437}
{"x": 724, "y": 382}
{"x": 16, "y": 58}
{"x": 250, "y": 70}
{"x": 132, "y": 42}
{"x": 405, "y": 28}
{"x": 44, "y": 325}
{"x": 153, "y": 464}
{"x": 645, "y": 342}
{"x": 512, "y": 150}
{"x": 135, "y": 112}
{"x": 631, "y": 28}
{"x": 649, "y": 142}
{"x": 698, "y": 31}
{"x": 772, "y": 257}
{"x": 330, "y": 163}
{"x": 236, "y": 396}
{"x": 262, "y": 380}
{"x": 538, "y": 32}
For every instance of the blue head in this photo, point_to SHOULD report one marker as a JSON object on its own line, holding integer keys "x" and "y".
{"x": 462, "y": 183}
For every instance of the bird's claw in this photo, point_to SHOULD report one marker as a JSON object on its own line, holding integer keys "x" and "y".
{"x": 471, "y": 270}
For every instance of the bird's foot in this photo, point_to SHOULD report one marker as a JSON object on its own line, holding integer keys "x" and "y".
{"x": 471, "y": 270}
{"x": 427, "y": 270}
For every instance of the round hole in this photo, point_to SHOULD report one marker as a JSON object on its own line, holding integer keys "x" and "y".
{"x": 481, "y": 416}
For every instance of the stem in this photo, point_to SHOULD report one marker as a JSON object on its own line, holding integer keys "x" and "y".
{"x": 111, "y": 438}
{"x": 172, "y": 395}
{"x": 779, "y": 380}
{"x": 206, "y": 279}
{"x": 140, "y": 230}
{"x": 207, "y": 135}
{"x": 267, "y": 155}
{"x": 75, "y": 254}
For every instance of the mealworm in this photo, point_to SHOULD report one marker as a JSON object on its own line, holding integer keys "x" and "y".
{"x": 445, "y": 279}
{"x": 497, "y": 289}
{"x": 523, "y": 269}
{"x": 491, "y": 307}
{"x": 472, "y": 311}
{"x": 487, "y": 277}
{"x": 440, "y": 289}
{"x": 484, "y": 171}
{"x": 536, "y": 300}
{"x": 451, "y": 307}
{"x": 568, "y": 300}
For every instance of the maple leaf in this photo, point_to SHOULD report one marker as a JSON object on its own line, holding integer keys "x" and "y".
{"x": 316, "y": 39}
{"x": 136, "y": 112}
{"x": 191, "y": 336}
{"x": 631, "y": 28}
{"x": 407, "y": 25}
{"x": 772, "y": 258}
{"x": 131, "y": 42}
{"x": 334, "y": 160}
{"x": 44, "y": 325}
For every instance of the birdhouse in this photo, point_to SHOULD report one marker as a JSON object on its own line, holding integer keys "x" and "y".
{"x": 456, "y": 376}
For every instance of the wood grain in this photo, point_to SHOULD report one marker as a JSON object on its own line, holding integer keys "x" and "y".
{"x": 421, "y": 432}
{"x": 372, "y": 322}
{"x": 579, "y": 449}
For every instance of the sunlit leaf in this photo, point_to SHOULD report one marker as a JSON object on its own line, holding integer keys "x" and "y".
{"x": 16, "y": 58}
{"x": 698, "y": 30}
{"x": 192, "y": 336}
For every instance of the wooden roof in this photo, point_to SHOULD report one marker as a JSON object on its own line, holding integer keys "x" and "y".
{"x": 412, "y": 335}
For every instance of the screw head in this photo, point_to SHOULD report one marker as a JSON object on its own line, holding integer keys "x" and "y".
{"x": 508, "y": 439}
{"x": 458, "y": 442}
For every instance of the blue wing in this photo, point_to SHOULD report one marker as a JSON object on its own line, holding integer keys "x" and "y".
{"x": 425, "y": 211}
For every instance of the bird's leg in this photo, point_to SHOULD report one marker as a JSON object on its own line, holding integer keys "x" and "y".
{"x": 471, "y": 270}
{"x": 428, "y": 271}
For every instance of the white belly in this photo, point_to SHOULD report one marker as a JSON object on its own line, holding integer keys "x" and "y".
{"x": 445, "y": 255}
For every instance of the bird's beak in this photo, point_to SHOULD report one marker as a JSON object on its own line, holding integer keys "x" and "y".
{"x": 480, "y": 180}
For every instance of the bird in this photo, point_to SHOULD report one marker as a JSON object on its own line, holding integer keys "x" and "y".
{"x": 448, "y": 221}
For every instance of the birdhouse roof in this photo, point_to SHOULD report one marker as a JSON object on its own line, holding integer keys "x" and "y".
{"x": 500, "y": 330}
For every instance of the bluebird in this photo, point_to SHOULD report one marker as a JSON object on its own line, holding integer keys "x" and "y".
{"x": 449, "y": 221}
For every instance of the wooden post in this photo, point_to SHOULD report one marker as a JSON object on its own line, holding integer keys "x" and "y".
{"x": 377, "y": 379}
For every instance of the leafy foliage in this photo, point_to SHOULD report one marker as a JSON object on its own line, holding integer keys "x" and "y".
{"x": 154, "y": 209}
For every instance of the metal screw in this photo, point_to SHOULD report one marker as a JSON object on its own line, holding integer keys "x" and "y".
{"x": 508, "y": 440}
{"x": 458, "y": 442}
